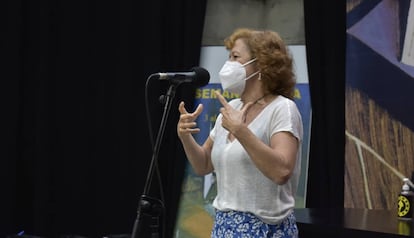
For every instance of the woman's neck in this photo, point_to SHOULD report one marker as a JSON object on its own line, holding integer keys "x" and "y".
{"x": 254, "y": 97}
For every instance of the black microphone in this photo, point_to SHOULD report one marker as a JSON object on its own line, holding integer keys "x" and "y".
{"x": 197, "y": 76}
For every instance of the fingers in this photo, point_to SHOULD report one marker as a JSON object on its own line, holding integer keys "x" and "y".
{"x": 198, "y": 110}
{"x": 181, "y": 108}
{"x": 222, "y": 100}
{"x": 246, "y": 107}
{"x": 186, "y": 123}
{"x": 188, "y": 128}
{"x": 196, "y": 113}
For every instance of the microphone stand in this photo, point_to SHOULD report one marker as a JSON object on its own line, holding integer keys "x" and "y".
{"x": 149, "y": 206}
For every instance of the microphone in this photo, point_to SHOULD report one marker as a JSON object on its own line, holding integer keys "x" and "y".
{"x": 197, "y": 76}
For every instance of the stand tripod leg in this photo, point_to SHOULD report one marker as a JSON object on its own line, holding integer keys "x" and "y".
{"x": 149, "y": 213}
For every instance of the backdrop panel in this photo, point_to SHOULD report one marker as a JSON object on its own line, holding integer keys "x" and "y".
{"x": 379, "y": 115}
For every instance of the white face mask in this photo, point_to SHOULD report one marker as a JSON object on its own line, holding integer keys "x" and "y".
{"x": 233, "y": 76}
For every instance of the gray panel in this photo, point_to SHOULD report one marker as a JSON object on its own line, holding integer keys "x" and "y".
{"x": 284, "y": 16}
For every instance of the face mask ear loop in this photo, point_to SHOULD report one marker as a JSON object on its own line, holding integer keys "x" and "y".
{"x": 253, "y": 74}
{"x": 249, "y": 62}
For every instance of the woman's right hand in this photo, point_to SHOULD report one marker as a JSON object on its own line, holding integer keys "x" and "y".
{"x": 186, "y": 124}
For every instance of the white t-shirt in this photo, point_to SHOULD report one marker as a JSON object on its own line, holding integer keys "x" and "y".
{"x": 240, "y": 185}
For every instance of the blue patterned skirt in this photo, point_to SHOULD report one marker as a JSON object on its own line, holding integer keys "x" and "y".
{"x": 231, "y": 224}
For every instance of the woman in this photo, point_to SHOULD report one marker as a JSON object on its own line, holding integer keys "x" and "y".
{"x": 255, "y": 146}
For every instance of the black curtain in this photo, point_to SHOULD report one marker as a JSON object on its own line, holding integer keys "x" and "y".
{"x": 77, "y": 145}
{"x": 325, "y": 34}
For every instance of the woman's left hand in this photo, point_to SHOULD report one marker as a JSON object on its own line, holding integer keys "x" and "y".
{"x": 232, "y": 118}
